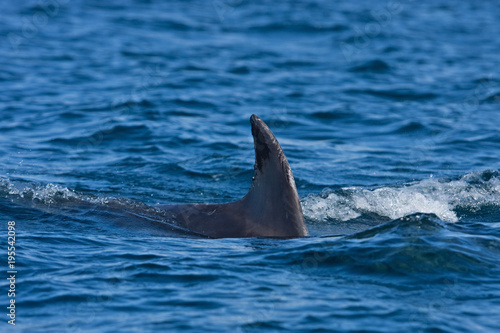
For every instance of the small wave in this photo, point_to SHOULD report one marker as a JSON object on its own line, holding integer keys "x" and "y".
{"x": 127, "y": 104}
{"x": 193, "y": 68}
{"x": 293, "y": 63}
{"x": 410, "y": 127}
{"x": 486, "y": 79}
{"x": 413, "y": 246}
{"x": 433, "y": 196}
{"x": 376, "y": 66}
{"x": 132, "y": 53}
{"x": 132, "y": 103}
{"x": 240, "y": 70}
{"x": 9, "y": 76}
{"x": 395, "y": 94}
{"x": 331, "y": 115}
{"x": 411, "y": 225}
{"x": 297, "y": 27}
{"x": 194, "y": 103}
{"x": 177, "y": 24}
{"x": 493, "y": 98}
{"x": 478, "y": 139}
{"x": 166, "y": 23}
{"x": 117, "y": 132}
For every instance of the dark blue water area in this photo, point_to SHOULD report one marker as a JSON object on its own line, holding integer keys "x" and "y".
{"x": 388, "y": 113}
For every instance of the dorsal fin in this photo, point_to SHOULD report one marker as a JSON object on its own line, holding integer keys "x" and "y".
{"x": 271, "y": 208}
{"x": 272, "y": 198}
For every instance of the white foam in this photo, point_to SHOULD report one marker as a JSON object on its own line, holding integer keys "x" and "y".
{"x": 48, "y": 194}
{"x": 331, "y": 207}
{"x": 439, "y": 197}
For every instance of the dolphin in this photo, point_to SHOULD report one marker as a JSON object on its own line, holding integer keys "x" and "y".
{"x": 271, "y": 208}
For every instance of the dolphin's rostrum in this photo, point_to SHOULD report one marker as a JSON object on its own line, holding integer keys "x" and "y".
{"x": 271, "y": 208}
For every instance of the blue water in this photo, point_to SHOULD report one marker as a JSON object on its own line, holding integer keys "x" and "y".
{"x": 388, "y": 113}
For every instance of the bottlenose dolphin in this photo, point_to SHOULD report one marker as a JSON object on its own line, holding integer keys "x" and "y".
{"x": 271, "y": 208}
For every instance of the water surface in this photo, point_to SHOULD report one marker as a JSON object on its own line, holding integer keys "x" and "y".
{"x": 389, "y": 116}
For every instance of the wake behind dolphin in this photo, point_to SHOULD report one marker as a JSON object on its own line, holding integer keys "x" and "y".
{"x": 271, "y": 208}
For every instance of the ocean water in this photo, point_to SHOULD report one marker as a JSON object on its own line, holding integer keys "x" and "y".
{"x": 387, "y": 111}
